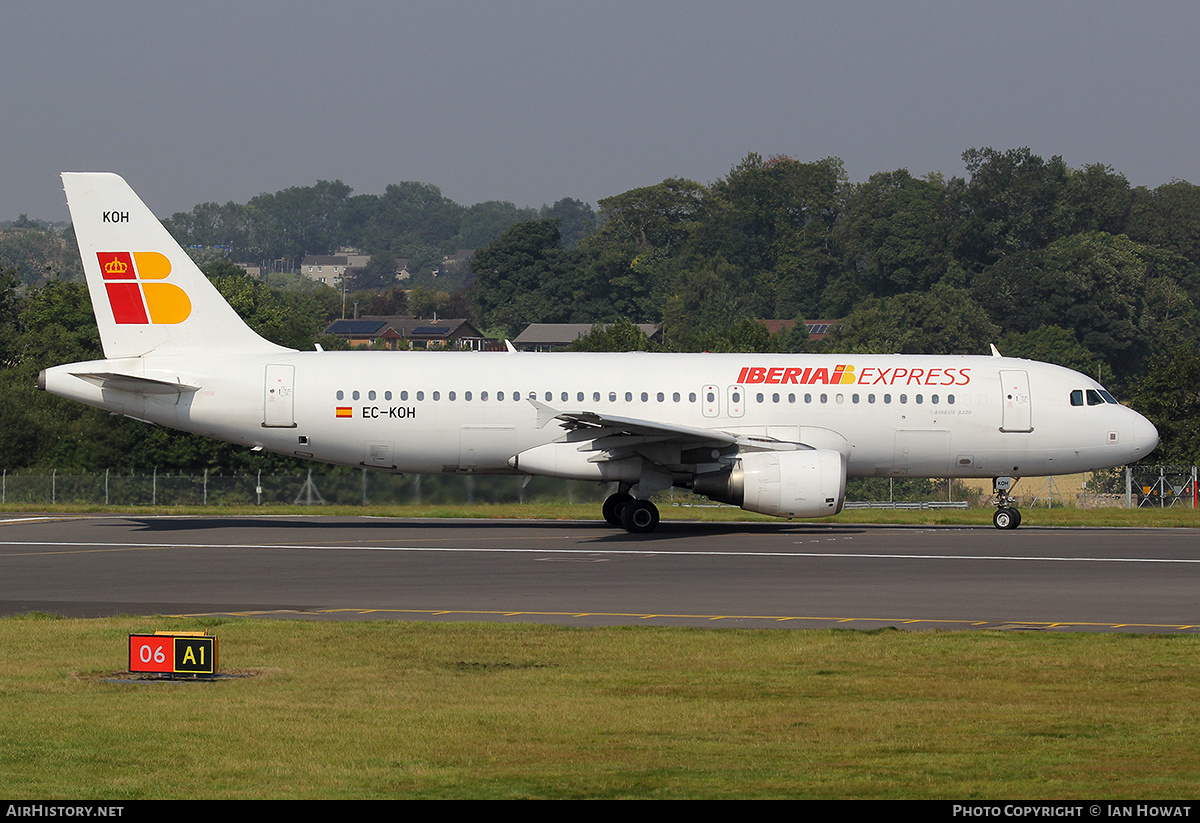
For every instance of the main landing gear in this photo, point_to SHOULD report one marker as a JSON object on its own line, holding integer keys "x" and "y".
{"x": 1006, "y": 516}
{"x": 635, "y": 516}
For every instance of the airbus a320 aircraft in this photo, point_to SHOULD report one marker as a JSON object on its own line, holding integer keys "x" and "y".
{"x": 772, "y": 433}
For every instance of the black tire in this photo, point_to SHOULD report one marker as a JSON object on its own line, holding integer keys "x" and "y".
{"x": 1006, "y": 518}
{"x": 639, "y": 517}
{"x": 613, "y": 506}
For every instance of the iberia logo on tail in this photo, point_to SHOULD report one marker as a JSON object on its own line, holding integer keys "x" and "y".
{"x": 135, "y": 289}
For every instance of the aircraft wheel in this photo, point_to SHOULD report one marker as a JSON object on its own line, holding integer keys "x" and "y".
{"x": 1006, "y": 518}
{"x": 639, "y": 517}
{"x": 613, "y": 504}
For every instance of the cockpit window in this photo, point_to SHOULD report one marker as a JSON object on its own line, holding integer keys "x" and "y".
{"x": 1095, "y": 397}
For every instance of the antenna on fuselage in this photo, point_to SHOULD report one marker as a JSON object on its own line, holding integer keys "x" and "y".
{"x": 995, "y": 351}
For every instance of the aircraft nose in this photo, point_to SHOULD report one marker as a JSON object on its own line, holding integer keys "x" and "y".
{"x": 1145, "y": 437}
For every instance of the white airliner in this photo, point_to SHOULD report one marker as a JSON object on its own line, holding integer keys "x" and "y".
{"x": 772, "y": 433}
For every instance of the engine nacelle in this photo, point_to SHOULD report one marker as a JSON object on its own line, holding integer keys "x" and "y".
{"x": 803, "y": 483}
{"x": 565, "y": 460}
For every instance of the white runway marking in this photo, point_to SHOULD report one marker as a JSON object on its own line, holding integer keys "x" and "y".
{"x": 98, "y": 546}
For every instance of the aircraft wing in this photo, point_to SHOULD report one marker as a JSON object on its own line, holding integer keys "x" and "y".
{"x": 616, "y": 437}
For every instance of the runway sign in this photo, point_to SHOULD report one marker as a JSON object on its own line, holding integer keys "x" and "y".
{"x": 173, "y": 653}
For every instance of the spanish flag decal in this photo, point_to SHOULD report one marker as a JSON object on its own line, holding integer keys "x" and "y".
{"x": 345, "y": 411}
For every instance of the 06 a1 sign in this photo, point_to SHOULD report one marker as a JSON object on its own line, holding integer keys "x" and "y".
{"x": 170, "y": 653}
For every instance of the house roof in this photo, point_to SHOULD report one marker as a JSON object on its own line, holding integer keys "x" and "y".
{"x": 355, "y": 327}
{"x": 817, "y": 329}
{"x": 404, "y": 326}
{"x": 565, "y": 333}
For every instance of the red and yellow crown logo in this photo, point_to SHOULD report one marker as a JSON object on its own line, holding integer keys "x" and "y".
{"x": 135, "y": 291}
{"x": 115, "y": 267}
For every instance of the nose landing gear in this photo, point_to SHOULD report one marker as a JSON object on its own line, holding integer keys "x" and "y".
{"x": 1006, "y": 516}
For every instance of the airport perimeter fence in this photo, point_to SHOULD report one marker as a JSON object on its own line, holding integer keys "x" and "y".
{"x": 1133, "y": 486}
{"x": 1161, "y": 487}
{"x": 315, "y": 488}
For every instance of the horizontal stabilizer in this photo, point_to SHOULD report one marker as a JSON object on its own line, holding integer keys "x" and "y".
{"x": 133, "y": 383}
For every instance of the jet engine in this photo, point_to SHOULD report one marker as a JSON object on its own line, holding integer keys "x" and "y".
{"x": 803, "y": 483}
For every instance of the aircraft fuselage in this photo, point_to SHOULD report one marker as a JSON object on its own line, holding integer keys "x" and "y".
{"x": 890, "y": 415}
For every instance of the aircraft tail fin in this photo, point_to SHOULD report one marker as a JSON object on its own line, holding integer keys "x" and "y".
{"x": 148, "y": 295}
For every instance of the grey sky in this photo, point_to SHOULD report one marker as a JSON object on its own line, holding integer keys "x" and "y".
{"x": 533, "y": 101}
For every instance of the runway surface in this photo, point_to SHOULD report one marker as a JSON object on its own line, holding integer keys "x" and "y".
{"x": 753, "y": 575}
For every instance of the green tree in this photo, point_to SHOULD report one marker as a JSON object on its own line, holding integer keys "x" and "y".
{"x": 1093, "y": 284}
{"x": 483, "y": 222}
{"x": 1049, "y": 344}
{"x": 652, "y": 217}
{"x": 1013, "y": 203}
{"x": 518, "y": 274}
{"x": 291, "y": 319}
{"x": 298, "y": 221}
{"x": 944, "y": 320}
{"x": 576, "y": 220}
{"x": 1168, "y": 393}
{"x": 892, "y": 238}
{"x": 762, "y": 201}
{"x": 379, "y": 273}
{"x": 621, "y": 335}
{"x": 211, "y": 225}
{"x": 1168, "y": 217}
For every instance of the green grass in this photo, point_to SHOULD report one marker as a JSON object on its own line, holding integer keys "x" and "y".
{"x": 391, "y": 709}
{"x": 1176, "y": 517}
